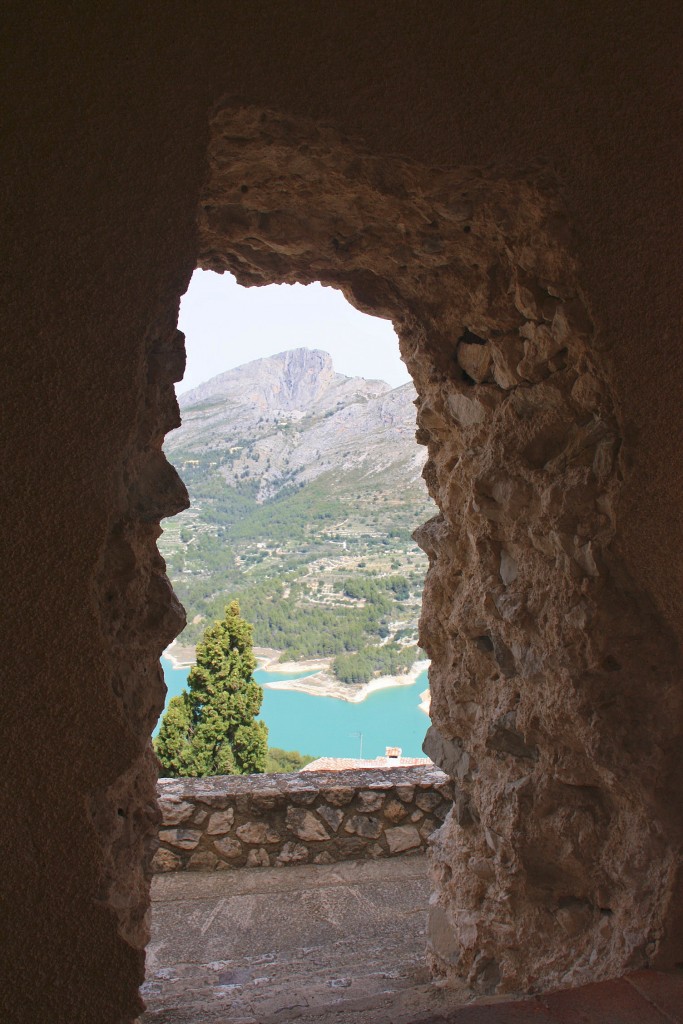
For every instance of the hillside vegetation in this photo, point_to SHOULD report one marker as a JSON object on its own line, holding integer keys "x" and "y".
{"x": 305, "y": 489}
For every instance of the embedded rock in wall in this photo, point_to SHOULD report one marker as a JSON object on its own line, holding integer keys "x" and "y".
{"x": 554, "y": 681}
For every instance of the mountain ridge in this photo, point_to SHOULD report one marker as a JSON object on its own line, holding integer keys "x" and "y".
{"x": 287, "y": 370}
{"x": 292, "y": 417}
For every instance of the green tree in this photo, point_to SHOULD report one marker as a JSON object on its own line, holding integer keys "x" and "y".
{"x": 171, "y": 743}
{"x": 279, "y": 760}
{"x": 211, "y": 729}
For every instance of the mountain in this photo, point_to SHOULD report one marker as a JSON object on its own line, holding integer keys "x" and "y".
{"x": 305, "y": 486}
{"x": 284, "y": 383}
{"x": 290, "y": 418}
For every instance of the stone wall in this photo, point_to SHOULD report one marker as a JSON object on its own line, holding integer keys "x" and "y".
{"x": 317, "y": 817}
{"x": 101, "y": 237}
{"x": 539, "y": 638}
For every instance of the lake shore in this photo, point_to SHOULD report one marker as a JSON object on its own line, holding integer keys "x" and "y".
{"x": 321, "y": 682}
{"x": 180, "y": 656}
{"x": 425, "y": 702}
{"x": 269, "y": 660}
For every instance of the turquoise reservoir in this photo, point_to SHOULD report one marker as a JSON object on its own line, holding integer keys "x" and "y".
{"x": 327, "y": 727}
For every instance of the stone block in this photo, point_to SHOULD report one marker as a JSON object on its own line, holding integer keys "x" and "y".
{"x": 229, "y": 848}
{"x": 181, "y": 838}
{"x": 202, "y": 860}
{"x": 506, "y": 739}
{"x": 529, "y": 296}
{"x": 220, "y": 822}
{"x": 428, "y": 826}
{"x": 257, "y": 832}
{"x": 467, "y": 412}
{"x": 507, "y": 356}
{"x": 293, "y": 853}
{"x": 243, "y": 804}
{"x": 332, "y": 815}
{"x": 462, "y": 809}
{"x": 258, "y": 859}
{"x": 442, "y": 810}
{"x": 324, "y": 857}
{"x": 447, "y": 753}
{"x": 370, "y": 800}
{"x": 164, "y": 860}
{"x": 304, "y": 797}
{"x": 482, "y": 868}
{"x": 441, "y": 935}
{"x": 210, "y": 792}
{"x": 306, "y": 825}
{"x": 340, "y": 796}
{"x": 428, "y": 800}
{"x": 403, "y": 837}
{"x": 575, "y": 917}
{"x": 348, "y": 849}
{"x": 394, "y": 811}
{"x": 360, "y": 825}
{"x": 266, "y": 801}
{"x": 405, "y": 793}
{"x": 173, "y": 812}
{"x": 216, "y": 801}
{"x": 475, "y": 360}
{"x": 446, "y": 788}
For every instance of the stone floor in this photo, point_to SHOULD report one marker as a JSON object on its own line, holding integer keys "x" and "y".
{"x": 337, "y": 944}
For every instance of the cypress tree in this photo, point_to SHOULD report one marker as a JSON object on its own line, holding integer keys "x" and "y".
{"x": 211, "y": 729}
{"x": 171, "y": 743}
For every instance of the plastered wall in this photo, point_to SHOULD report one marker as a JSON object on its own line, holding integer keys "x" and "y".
{"x": 106, "y": 129}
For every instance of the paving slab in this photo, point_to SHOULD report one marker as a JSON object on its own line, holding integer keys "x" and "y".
{"x": 665, "y": 991}
{"x": 609, "y": 1002}
{"x": 279, "y": 944}
{"x": 338, "y": 944}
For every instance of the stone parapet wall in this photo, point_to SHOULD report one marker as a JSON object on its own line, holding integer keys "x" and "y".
{"x": 313, "y": 817}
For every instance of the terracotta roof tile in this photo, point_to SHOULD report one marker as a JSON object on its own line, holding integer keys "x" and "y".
{"x": 337, "y": 764}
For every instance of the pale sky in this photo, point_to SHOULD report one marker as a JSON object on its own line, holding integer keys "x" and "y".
{"x": 226, "y": 325}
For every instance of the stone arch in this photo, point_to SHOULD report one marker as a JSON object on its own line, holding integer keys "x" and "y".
{"x": 539, "y": 642}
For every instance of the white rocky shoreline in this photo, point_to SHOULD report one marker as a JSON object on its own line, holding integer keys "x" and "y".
{"x": 321, "y": 682}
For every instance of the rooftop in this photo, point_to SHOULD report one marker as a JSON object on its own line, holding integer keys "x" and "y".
{"x": 338, "y": 764}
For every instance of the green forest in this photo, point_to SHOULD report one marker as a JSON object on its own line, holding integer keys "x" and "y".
{"x": 320, "y": 570}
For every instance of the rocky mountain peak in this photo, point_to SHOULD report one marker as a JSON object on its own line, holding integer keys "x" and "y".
{"x": 296, "y": 380}
{"x": 304, "y": 376}
{"x": 287, "y": 419}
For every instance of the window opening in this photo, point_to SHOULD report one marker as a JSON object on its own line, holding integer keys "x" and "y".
{"x": 298, "y": 451}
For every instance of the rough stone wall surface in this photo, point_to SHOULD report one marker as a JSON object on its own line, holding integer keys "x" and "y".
{"x": 540, "y": 642}
{"x": 105, "y": 113}
{"x": 318, "y": 817}
{"x": 139, "y": 616}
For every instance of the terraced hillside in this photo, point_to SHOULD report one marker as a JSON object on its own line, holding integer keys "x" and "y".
{"x": 305, "y": 488}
